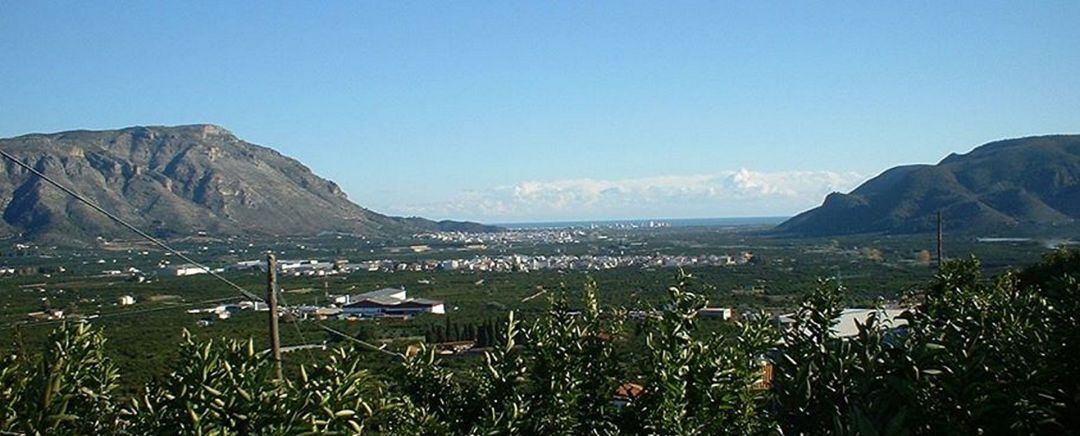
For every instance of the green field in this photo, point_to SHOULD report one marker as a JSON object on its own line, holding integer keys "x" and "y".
{"x": 143, "y": 336}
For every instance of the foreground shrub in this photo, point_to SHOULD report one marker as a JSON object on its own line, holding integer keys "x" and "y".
{"x": 699, "y": 382}
{"x": 70, "y": 388}
{"x": 990, "y": 352}
{"x": 976, "y": 356}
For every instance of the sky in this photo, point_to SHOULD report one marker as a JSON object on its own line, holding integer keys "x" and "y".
{"x": 540, "y": 111}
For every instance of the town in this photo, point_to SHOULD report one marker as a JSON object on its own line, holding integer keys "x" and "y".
{"x": 501, "y": 263}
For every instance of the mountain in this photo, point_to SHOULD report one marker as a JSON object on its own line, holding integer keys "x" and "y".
{"x": 176, "y": 181}
{"x": 1023, "y": 183}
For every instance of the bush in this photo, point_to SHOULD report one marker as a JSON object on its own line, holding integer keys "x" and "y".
{"x": 977, "y": 356}
{"x": 68, "y": 389}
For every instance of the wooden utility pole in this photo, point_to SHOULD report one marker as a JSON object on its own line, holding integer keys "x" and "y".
{"x": 940, "y": 256}
{"x": 271, "y": 301}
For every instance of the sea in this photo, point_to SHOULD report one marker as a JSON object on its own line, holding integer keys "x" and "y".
{"x": 648, "y": 223}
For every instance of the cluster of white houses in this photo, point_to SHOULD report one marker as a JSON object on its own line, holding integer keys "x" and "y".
{"x": 304, "y": 267}
{"x": 512, "y": 262}
{"x": 525, "y": 263}
{"x": 475, "y": 240}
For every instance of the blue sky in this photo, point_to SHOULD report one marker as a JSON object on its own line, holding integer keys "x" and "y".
{"x": 518, "y": 111}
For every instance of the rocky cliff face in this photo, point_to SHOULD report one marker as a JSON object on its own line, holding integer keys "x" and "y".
{"x": 174, "y": 181}
{"x": 1028, "y": 182}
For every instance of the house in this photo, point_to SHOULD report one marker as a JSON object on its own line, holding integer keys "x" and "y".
{"x": 626, "y": 394}
{"x": 257, "y": 306}
{"x": 46, "y": 315}
{"x": 223, "y": 311}
{"x": 126, "y": 300}
{"x": 722, "y": 313}
{"x": 326, "y": 312}
{"x": 309, "y": 312}
{"x": 249, "y": 265}
{"x": 455, "y": 347}
{"x": 764, "y": 379}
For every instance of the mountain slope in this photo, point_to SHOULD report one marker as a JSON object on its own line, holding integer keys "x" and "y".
{"x": 1032, "y": 181}
{"x": 175, "y": 181}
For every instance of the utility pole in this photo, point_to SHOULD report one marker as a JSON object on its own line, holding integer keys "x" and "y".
{"x": 271, "y": 301}
{"x": 940, "y": 256}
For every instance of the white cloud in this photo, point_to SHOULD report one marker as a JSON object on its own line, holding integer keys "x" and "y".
{"x": 730, "y": 193}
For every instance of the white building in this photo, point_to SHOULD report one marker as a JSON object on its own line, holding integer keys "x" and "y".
{"x": 186, "y": 269}
{"x": 390, "y": 301}
{"x": 247, "y": 265}
{"x": 847, "y": 324}
{"x": 723, "y": 313}
{"x": 379, "y": 306}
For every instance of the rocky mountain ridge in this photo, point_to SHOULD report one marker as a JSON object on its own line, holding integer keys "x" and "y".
{"x": 176, "y": 181}
{"x": 1016, "y": 184}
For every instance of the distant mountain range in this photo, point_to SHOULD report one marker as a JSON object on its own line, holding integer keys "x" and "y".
{"x": 1014, "y": 184}
{"x": 178, "y": 181}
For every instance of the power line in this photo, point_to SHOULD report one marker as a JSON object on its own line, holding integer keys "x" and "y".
{"x": 300, "y": 332}
{"x": 86, "y": 201}
{"x": 365, "y": 344}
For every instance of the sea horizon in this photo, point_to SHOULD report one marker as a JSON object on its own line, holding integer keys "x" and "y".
{"x": 646, "y": 222}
